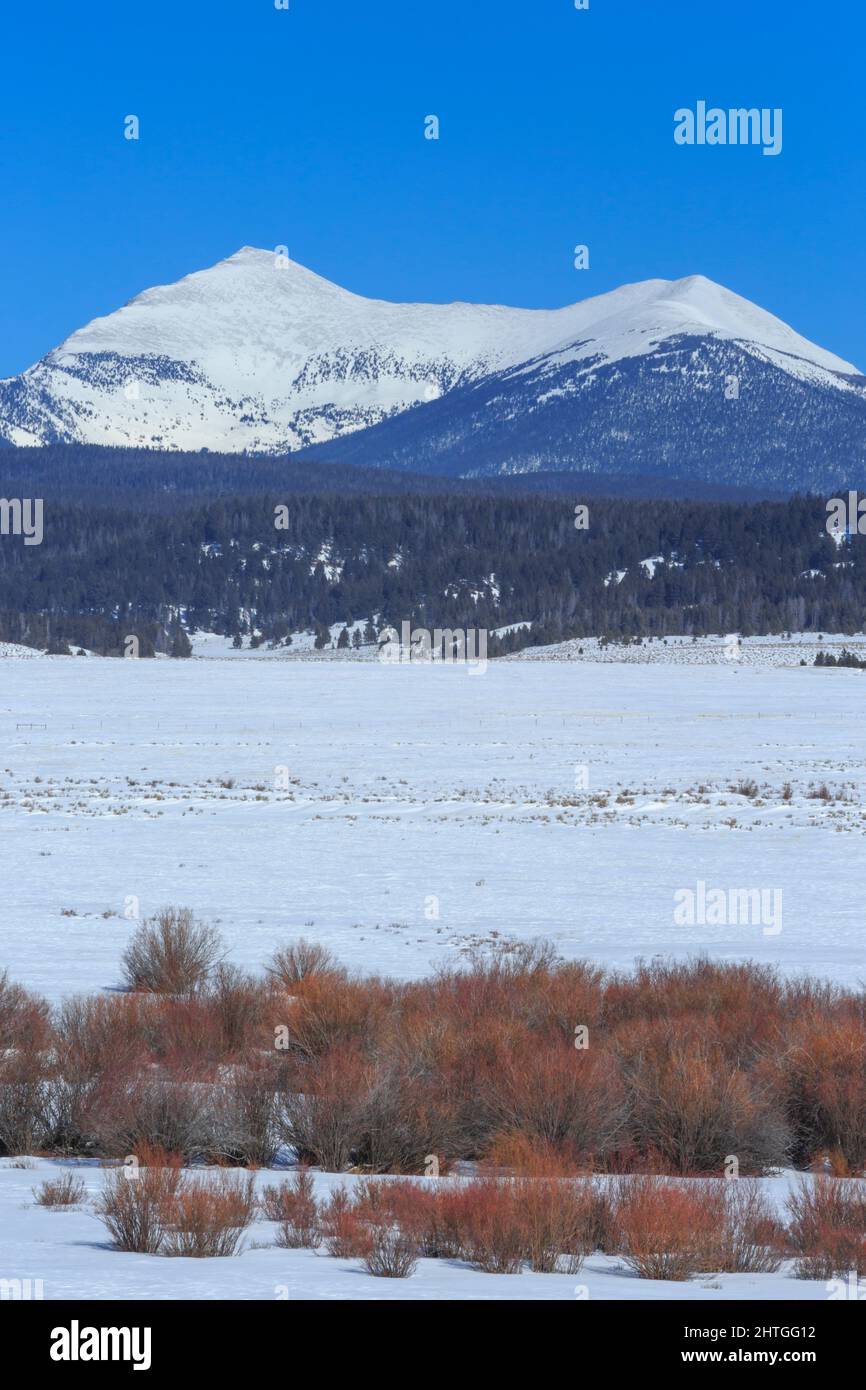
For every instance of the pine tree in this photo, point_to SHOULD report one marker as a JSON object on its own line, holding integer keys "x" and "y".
{"x": 181, "y": 646}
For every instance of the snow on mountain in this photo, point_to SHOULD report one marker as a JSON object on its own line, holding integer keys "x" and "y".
{"x": 258, "y": 353}
{"x": 634, "y": 319}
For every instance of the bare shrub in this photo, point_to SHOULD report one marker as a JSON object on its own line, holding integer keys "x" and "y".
{"x": 557, "y": 1095}
{"x": 416, "y": 1208}
{"x": 96, "y": 1038}
{"x": 237, "y": 1003}
{"x": 691, "y": 1107}
{"x": 24, "y": 1019}
{"x": 300, "y": 960}
{"x": 134, "y": 1203}
{"x": 828, "y": 1227}
{"x": 182, "y": 1032}
{"x": 515, "y": 960}
{"x": 752, "y": 1237}
{"x": 67, "y": 1191}
{"x": 822, "y": 793}
{"x": 25, "y": 1070}
{"x": 403, "y": 1115}
{"x": 207, "y": 1215}
{"x": 293, "y": 1205}
{"x": 25, "y": 1103}
{"x": 242, "y": 1118}
{"x": 689, "y": 1062}
{"x": 392, "y": 1253}
{"x": 558, "y": 1219}
{"x": 326, "y": 1011}
{"x": 146, "y": 1109}
{"x": 822, "y": 1079}
{"x": 171, "y": 953}
{"x": 320, "y": 1109}
{"x": 96, "y": 1032}
{"x": 497, "y": 1224}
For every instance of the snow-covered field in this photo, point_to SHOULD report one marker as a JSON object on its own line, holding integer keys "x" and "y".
{"x": 785, "y": 651}
{"x": 70, "y": 1252}
{"x": 401, "y": 814}
{"x": 701, "y": 651}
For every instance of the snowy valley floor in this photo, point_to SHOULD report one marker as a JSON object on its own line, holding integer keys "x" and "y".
{"x": 402, "y": 814}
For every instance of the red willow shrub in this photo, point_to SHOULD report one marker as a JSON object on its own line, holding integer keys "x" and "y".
{"x": 573, "y": 1100}
{"x": 821, "y": 1078}
{"x": 95, "y": 1033}
{"x": 145, "y": 1108}
{"x": 828, "y": 1228}
{"x": 25, "y": 1020}
{"x": 66, "y": 1191}
{"x": 498, "y": 1224}
{"x": 300, "y": 961}
{"x": 157, "y": 1208}
{"x": 689, "y": 1108}
{"x": 345, "y": 1230}
{"x": 485, "y": 1223}
{"x": 753, "y": 1238}
{"x": 134, "y": 1204}
{"x": 559, "y": 1220}
{"x": 674, "y": 1229}
{"x": 686, "y": 1064}
{"x": 320, "y": 1108}
{"x": 208, "y": 1214}
{"x": 670, "y": 1230}
{"x": 293, "y": 1205}
{"x": 414, "y": 1206}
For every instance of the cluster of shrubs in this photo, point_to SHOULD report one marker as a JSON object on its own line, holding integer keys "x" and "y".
{"x": 672, "y": 1068}
{"x": 159, "y": 1208}
{"x": 662, "y": 1228}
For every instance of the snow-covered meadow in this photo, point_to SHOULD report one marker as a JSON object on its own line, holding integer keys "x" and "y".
{"x": 403, "y": 814}
{"x": 69, "y": 1251}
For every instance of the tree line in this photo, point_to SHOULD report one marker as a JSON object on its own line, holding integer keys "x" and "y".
{"x": 259, "y": 567}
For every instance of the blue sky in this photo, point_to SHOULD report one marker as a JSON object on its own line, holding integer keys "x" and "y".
{"x": 305, "y": 128}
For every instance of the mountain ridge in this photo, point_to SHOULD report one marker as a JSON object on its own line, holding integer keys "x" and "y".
{"x": 259, "y": 354}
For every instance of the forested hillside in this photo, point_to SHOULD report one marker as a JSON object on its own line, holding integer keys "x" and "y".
{"x": 289, "y": 559}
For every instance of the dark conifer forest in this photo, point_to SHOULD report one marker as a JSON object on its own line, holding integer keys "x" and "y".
{"x": 163, "y": 545}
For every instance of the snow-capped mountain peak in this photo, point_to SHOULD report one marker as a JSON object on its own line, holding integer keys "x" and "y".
{"x": 260, "y": 353}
